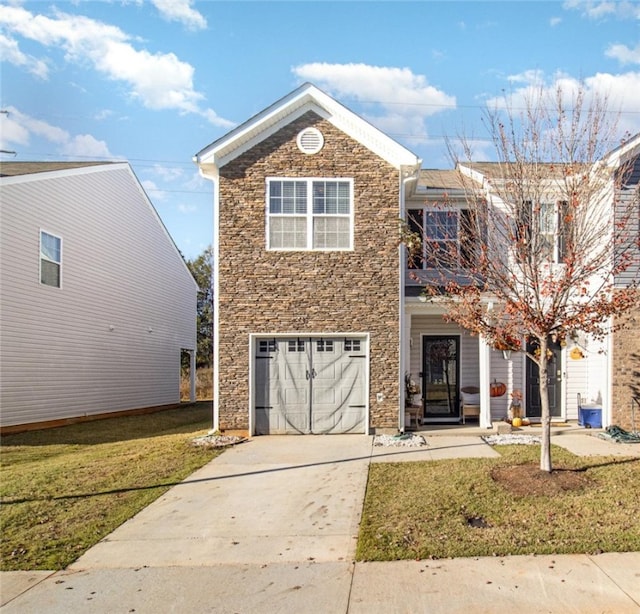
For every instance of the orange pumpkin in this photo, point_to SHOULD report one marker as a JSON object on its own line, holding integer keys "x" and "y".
{"x": 497, "y": 389}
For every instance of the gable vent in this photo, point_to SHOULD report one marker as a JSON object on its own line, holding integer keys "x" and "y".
{"x": 310, "y": 140}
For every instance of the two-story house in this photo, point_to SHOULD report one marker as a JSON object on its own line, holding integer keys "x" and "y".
{"x": 319, "y": 317}
{"x": 97, "y": 303}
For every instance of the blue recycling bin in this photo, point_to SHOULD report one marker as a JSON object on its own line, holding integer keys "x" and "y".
{"x": 590, "y": 416}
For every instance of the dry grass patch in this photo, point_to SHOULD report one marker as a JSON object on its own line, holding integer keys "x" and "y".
{"x": 485, "y": 507}
{"x": 64, "y": 489}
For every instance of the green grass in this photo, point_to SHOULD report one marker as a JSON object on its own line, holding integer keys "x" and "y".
{"x": 64, "y": 489}
{"x": 422, "y": 510}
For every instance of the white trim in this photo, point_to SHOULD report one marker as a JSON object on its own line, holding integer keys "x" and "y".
{"x": 484, "y": 352}
{"x": 255, "y": 337}
{"x": 306, "y": 98}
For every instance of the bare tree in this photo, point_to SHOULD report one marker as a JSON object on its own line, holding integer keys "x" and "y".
{"x": 542, "y": 241}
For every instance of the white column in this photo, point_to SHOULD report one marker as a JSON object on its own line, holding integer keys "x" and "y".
{"x": 484, "y": 351}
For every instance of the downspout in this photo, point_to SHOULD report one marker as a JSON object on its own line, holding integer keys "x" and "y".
{"x": 407, "y": 173}
{"x": 213, "y": 177}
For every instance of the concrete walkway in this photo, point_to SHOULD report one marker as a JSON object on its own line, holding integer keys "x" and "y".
{"x": 271, "y": 526}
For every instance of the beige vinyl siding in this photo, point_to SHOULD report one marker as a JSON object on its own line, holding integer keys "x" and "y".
{"x": 120, "y": 269}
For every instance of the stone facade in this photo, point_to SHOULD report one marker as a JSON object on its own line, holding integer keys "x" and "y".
{"x": 626, "y": 372}
{"x": 308, "y": 292}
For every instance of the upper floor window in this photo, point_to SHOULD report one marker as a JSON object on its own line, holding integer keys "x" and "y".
{"x": 544, "y": 231}
{"x": 50, "y": 259}
{"x": 310, "y": 214}
{"x": 446, "y": 239}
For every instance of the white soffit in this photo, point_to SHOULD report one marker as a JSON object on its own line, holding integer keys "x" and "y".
{"x": 305, "y": 98}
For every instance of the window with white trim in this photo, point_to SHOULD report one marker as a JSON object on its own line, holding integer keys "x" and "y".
{"x": 309, "y": 214}
{"x": 446, "y": 238}
{"x": 50, "y": 259}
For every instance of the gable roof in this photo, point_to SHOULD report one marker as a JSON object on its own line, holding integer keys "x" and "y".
{"x": 15, "y": 169}
{"x": 305, "y": 98}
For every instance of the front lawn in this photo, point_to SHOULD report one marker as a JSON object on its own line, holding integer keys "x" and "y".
{"x": 62, "y": 490}
{"x": 465, "y": 508}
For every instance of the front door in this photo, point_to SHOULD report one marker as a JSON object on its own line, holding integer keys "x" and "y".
{"x": 554, "y": 382}
{"x": 440, "y": 375}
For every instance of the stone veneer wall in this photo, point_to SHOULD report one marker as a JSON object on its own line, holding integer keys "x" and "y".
{"x": 626, "y": 372}
{"x": 264, "y": 291}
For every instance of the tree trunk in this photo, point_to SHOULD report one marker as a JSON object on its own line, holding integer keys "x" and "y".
{"x": 545, "y": 444}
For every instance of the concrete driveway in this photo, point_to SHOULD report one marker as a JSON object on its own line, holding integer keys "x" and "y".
{"x": 269, "y": 526}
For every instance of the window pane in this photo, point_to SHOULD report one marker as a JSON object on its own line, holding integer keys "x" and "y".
{"x": 331, "y": 197}
{"x": 49, "y": 247}
{"x": 287, "y": 197}
{"x": 49, "y": 273}
{"x": 331, "y": 233}
{"x": 441, "y": 225}
{"x": 288, "y": 232}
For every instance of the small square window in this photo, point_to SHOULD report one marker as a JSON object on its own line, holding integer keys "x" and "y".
{"x": 352, "y": 345}
{"x": 267, "y": 346}
{"x": 324, "y": 345}
{"x": 295, "y": 345}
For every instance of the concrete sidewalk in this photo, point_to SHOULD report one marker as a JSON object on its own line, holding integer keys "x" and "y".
{"x": 271, "y": 526}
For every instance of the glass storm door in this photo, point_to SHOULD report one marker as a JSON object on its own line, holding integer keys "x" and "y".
{"x": 554, "y": 383}
{"x": 440, "y": 373}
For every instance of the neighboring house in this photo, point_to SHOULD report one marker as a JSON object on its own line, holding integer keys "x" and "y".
{"x": 625, "y": 365}
{"x": 97, "y": 302}
{"x": 318, "y": 314}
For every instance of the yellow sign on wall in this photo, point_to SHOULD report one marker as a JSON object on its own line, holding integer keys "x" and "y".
{"x": 576, "y": 353}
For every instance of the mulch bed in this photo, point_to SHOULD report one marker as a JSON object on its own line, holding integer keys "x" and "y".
{"x": 529, "y": 480}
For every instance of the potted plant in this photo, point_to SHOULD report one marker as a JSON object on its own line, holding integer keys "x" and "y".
{"x": 515, "y": 409}
{"x": 411, "y": 389}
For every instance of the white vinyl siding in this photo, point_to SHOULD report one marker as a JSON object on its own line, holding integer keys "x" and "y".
{"x": 110, "y": 338}
{"x": 309, "y": 214}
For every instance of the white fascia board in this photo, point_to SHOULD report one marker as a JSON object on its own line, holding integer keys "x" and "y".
{"x": 306, "y": 98}
{"x": 64, "y": 172}
{"x": 626, "y": 150}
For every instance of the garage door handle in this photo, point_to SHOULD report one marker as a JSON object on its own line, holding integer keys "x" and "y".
{"x": 311, "y": 375}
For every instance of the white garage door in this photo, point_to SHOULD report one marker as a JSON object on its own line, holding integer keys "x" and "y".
{"x": 310, "y": 385}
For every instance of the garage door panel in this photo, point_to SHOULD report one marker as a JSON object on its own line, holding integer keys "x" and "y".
{"x": 310, "y": 385}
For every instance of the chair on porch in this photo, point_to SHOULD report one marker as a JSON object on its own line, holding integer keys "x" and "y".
{"x": 470, "y": 402}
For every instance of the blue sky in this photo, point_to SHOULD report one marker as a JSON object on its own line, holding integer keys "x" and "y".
{"x": 154, "y": 82}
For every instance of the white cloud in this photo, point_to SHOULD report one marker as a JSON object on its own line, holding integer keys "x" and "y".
{"x": 600, "y": 9}
{"x": 18, "y": 129}
{"x": 624, "y": 54}
{"x": 619, "y": 90}
{"x": 555, "y": 21}
{"x": 168, "y": 173}
{"x": 187, "y": 209}
{"x": 86, "y": 146}
{"x": 399, "y": 100}
{"x": 181, "y": 11}
{"x": 11, "y": 53}
{"x": 160, "y": 81}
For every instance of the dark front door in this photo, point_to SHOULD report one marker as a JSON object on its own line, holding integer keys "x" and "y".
{"x": 440, "y": 374}
{"x": 554, "y": 383}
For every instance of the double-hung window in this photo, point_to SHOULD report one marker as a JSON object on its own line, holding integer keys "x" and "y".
{"x": 50, "y": 259}
{"x": 447, "y": 239}
{"x": 309, "y": 214}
